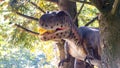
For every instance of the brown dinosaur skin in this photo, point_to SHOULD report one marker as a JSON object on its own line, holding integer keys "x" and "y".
{"x": 82, "y": 42}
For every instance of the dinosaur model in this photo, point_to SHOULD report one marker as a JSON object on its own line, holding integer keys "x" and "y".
{"x": 83, "y": 42}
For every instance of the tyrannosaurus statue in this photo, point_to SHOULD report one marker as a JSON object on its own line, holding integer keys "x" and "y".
{"x": 83, "y": 42}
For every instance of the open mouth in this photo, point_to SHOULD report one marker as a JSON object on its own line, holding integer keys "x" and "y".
{"x": 43, "y": 31}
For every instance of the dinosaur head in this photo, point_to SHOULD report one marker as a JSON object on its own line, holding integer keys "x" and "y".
{"x": 55, "y": 25}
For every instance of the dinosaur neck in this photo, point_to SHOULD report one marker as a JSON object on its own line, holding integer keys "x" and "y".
{"x": 76, "y": 49}
{"x": 75, "y": 37}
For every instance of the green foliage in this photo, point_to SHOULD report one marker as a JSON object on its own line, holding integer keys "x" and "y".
{"x": 88, "y": 13}
{"x": 21, "y": 58}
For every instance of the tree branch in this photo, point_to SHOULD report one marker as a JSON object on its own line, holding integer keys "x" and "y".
{"x": 81, "y": 1}
{"x": 114, "y": 7}
{"x": 27, "y": 30}
{"x": 78, "y": 12}
{"x": 38, "y": 7}
{"x": 91, "y": 21}
{"x": 28, "y": 17}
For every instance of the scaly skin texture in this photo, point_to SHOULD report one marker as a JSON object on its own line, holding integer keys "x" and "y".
{"x": 82, "y": 42}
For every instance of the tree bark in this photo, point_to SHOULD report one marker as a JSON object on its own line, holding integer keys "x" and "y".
{"x": 110, "y": 37}
{"x": 62, "y": 55}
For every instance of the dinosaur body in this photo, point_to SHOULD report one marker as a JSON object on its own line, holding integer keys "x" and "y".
{"x": 86, "y": 39}
{"x": 82, "y": 42}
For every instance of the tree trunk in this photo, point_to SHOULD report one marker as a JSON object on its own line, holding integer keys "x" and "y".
{"x": 110, "y": 37}
{"x": 62, "y": 54}
{"x": 70, "y": 7}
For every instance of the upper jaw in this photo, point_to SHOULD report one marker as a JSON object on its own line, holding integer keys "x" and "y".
{"x": 44, "y": 31}
{"x": 55, "y": 34}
